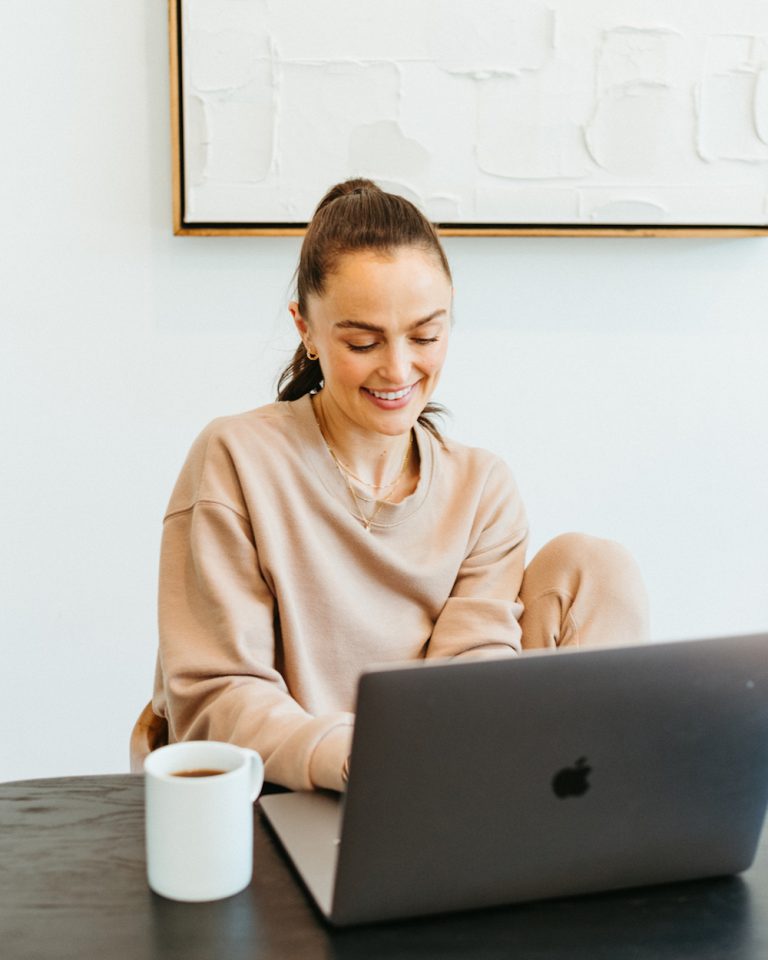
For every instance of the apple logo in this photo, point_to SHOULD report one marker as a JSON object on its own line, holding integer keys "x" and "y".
{"x": 572, "y": 781}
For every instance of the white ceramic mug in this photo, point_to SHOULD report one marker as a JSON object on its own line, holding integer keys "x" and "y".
{"x": 199, "y": 828}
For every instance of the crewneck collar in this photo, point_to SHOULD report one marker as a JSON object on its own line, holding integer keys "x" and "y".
{"x": 320, "y": 460}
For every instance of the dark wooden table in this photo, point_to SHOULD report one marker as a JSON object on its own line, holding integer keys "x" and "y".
{"x": 73, "y": 885}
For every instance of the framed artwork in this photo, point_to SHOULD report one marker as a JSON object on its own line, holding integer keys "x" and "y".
{"x": 497, "y": 117}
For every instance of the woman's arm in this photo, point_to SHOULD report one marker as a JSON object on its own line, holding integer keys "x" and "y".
{"x": 480, "y": 618}
{"x": 219, "y": 677}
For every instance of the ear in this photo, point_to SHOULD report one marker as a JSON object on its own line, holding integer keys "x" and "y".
{"x": 299, "y": 322}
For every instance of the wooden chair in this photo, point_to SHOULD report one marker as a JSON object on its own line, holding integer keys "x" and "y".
{"x": 149, "y": 733}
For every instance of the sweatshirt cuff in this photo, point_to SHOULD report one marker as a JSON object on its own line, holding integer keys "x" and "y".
{"x": 328, "y": 758}
{"x": 487, "y": 651}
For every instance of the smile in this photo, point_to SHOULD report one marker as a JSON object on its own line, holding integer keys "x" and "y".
{"x": 390, "y": 395}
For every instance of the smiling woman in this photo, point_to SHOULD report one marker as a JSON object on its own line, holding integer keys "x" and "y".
{"x": 336, "y": 528}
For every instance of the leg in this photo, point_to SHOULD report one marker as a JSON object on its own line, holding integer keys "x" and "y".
{"x": 581, "y": 590}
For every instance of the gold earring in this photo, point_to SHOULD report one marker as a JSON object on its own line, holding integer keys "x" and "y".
{"x": 310, "y": 355}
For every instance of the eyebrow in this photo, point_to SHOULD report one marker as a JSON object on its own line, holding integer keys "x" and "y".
{"x": 362, "y": 325}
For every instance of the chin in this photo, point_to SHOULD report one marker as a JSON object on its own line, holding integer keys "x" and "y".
{"x": 396, "y": 427}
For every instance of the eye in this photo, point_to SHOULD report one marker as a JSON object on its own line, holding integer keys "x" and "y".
{"x": 361, "y": 348}
{"x": 423, "y": 340}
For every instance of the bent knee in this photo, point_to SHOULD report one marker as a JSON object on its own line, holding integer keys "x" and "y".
{"x": 601, "y": 579}
{"x": 581, "y": 558}
{"x": 575, "y": 549}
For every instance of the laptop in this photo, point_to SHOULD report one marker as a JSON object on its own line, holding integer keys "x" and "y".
{"x": 479, "y": 783}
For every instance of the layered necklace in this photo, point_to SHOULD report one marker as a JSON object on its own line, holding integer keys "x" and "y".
{"x": 388, "y": 487}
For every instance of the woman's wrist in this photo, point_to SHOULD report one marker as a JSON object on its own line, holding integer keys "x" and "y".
{"x": 329, "y": 758}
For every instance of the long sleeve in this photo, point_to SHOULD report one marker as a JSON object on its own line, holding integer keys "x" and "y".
{"x": 481, "y": 616}
{"x": 219, "y": 656}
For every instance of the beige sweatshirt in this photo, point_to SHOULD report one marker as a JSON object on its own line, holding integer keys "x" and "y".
{"x": 274, "y": 598}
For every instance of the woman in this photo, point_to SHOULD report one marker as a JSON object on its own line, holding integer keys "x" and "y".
{"x": 336, "y": 529}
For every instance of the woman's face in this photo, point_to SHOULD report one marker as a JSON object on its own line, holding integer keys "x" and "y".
{"x": 381, "y": 330}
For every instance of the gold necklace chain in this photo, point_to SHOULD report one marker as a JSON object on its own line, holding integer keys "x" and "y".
{"x": 366, "y": 483}
{"x": 346, "y": 474}
{"x": 368, "y": 521}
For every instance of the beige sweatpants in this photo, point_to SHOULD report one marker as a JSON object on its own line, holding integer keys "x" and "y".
{"x": 582, "y": 590}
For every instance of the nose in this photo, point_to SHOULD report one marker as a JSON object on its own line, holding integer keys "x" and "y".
{"x": 396, "y": 364}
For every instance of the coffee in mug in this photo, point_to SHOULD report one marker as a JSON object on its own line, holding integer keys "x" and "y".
{"x": 199, "y": 773}
{"x": 199, "y": 799}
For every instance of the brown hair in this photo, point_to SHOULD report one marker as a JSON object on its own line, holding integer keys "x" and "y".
{"x": 354, "y": 215}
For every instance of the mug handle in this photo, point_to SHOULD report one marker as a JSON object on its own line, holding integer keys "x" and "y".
{"x": 256, "y": 770}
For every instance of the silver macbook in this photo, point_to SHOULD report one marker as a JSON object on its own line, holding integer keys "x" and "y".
{"x": 483, "y": 783}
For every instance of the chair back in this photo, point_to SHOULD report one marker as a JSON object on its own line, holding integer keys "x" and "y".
{"x": 149, "y": 732}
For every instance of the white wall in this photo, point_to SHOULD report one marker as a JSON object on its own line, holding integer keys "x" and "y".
{"x": 624, "y": 380}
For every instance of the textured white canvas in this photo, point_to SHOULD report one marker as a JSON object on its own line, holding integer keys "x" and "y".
{"x": 483, "y": 111}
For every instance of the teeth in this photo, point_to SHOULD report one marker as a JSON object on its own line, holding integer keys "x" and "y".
{"x": 390, "y": 396}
